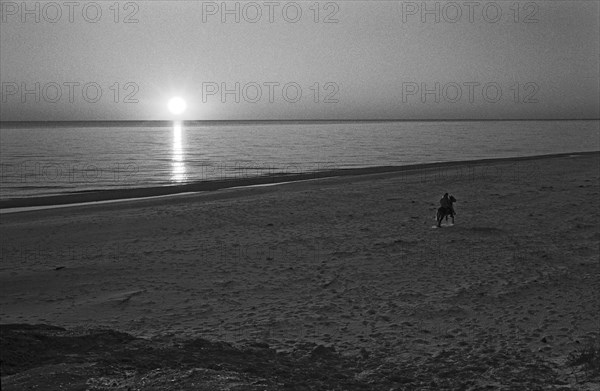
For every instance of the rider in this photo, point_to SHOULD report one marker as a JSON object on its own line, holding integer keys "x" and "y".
{"x": 446, "y": 203}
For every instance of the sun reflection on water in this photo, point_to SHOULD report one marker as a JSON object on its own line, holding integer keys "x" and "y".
{"x": 178, "y": 171}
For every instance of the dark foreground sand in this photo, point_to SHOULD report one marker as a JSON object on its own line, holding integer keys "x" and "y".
{"x": 341, "y": 282}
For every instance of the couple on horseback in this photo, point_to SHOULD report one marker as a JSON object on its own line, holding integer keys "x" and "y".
{"x": 446, "y": 209}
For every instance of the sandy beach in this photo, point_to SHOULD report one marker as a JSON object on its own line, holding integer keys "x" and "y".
{"x": 351, "y": 262}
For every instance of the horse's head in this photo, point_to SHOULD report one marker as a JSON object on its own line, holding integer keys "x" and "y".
{"x": 452, "y": 199}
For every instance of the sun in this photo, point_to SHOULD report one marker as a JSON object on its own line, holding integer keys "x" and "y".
{"x": 177, "y": 105}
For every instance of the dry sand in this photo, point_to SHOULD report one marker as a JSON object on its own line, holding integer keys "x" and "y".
{"x": 350, "y": 262}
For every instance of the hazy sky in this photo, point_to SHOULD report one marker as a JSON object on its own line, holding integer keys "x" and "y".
{"x": 281, "y": 60}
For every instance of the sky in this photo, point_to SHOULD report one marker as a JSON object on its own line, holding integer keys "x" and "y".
{"x": 284, "y": 60}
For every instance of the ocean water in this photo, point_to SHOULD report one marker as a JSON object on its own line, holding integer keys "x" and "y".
{"x": 40, "y": 161}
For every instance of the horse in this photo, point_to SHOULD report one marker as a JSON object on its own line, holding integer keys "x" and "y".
{"x": 445, "y": 212}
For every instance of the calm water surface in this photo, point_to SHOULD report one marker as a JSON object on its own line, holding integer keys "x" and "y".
{"x": 39, "y": 161}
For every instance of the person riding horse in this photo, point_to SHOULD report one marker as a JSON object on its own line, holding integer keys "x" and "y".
{"x": 446, "y": 209}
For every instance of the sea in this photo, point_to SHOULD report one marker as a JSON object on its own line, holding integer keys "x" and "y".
{"x": 40, "y": 159}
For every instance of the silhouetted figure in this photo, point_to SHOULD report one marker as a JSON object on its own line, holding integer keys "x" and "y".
{"x": 446, "y": 209}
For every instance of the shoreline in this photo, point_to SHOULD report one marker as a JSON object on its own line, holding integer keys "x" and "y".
{"x": 10, "y": 205}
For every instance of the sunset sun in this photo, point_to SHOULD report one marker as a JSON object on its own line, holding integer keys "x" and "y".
{"x": 177, "y": 105}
